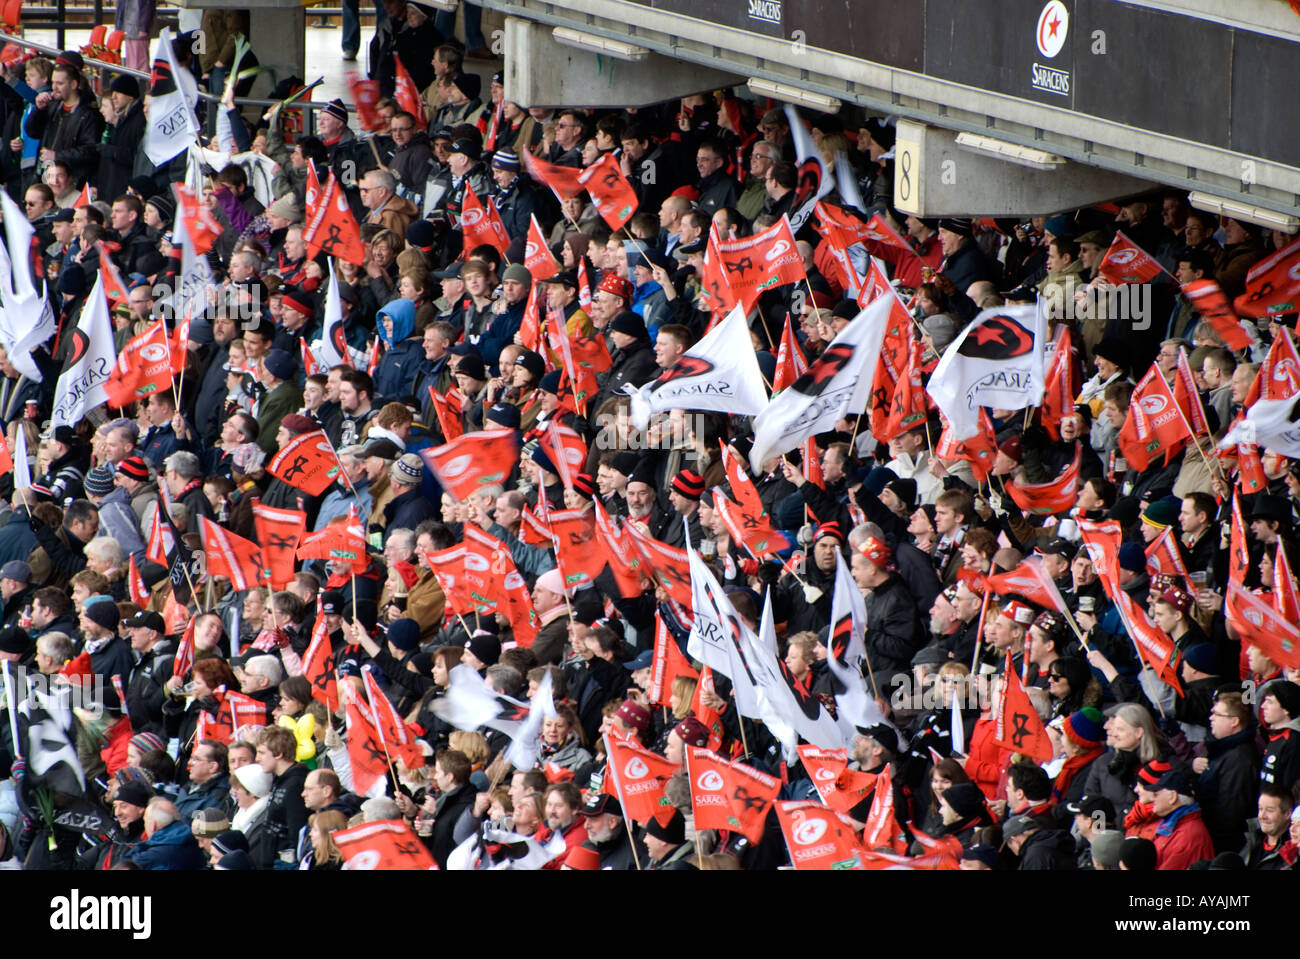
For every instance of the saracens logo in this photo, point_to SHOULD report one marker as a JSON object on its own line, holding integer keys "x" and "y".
{"x": 1153, "y": 405}
{"x": 809, "y": 831}
{"x": 824, "y": 774}
{"x": 818, "y": 376}
{"x": 471, "y": 217}
{"x": 476, "y": 562}
{"x": 80, "y": 344}
{"x": 1053, "y": 27}
{"x": 710, "y": 781}
{"x": 998, "y": 338}
{"x": 365, "y": 859}
{"x": 636, "y": 769}
{"x": 154, "y": 353}
{"x": 779, "y": 248}
{"x": 337, "y": 338}
{"x": 686, "y": 366}
{"x": 1122, "y": 257}
{"x": 456, "y": 465}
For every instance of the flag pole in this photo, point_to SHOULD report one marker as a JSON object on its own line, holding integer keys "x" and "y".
{"x": 979, "y": 633}
{"x": 13, "y": 708}
{"x": 740, "y": 721}
{"x": 1182, "y": 358}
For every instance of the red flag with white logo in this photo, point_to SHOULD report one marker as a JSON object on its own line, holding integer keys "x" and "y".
{"x": 342, "y": 539}
{"x": 818, "y": 837}
{"x": 472, "y": 461}
{"x": 537, "y": 255}
{"x": 365, "y": 94}
{"x": 135, "y": 586}
{"x": 639, "y": 777}
{"x": 562, "y": 180}
{"x": 1163, "y": 556}
{"x": 667, "y": 664}
{"x": 882, "y": 828}
{"x": 576, "y": 553}
{"x": 202, "y": 227}
{"x": 1054, "y": 496}
{"x": 618, "y": 552}
{"x": 729, "y": 796}
{"x": 1126, "y": 262}
{"x": 481, "y": 223}
{"x": 1262, "y": 625}
{"x": 790, "y": 361}
{"x": 979, "y": 450}
{"x": 764, "y": 261}
{"x": 1060, "y": 386}
{"x": 392, "y": 729}
{"x": 839, "y": 787}
{"x": 1152, "y": 425}
{"x": 1273, "y": 284}
{"x": 1209, "y": 300}
{"x": 566, "y": 450}
{"x": 407, "y": 94}
{"x": 144, "y": 366}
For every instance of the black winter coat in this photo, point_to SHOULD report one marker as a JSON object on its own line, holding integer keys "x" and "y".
{"x": 894, "y": 631}
{"x": 74, "y": 137}
{"x": 1227, "y": 788}
{"x": 286, "y": 813}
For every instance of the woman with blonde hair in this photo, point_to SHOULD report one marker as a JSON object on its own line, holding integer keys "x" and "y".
{"x": 324, "y": 855}
{"x": 475, "y": 747}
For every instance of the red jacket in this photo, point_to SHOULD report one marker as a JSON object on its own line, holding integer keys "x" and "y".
{"x": 907, "y": 267}
{"x": 1182, "y": 839}
{"x": 574, "y": 835}
{"x": 986, "y": 760}
{"x": 114, "y": 751}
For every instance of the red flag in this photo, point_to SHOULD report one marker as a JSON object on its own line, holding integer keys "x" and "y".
{"x": 6, "y": 460}
{"x": 1019, "y": 728}
{"x": 481, "y": 223}
{"x": 895, "y": 350}
{"x": 1152, "y": 424}
{"x": 713, "y": 278}
{"x": 1279, "y": 375}
{"x": 183, "y": 661}
{"x": 1250, "y": 469}
{"x": 161, "y": 539}
{"x": 1102, "y": 541}
{"x": 534, "y": 531}
{"x": 838, "y": 786}
{"x": 144, "y": 366}
{"x": 1156, "y": 648}
{"x": 530, "y": 328}
{"x": 1163, "y": 556}
{"x": 135, "y": 587}
{"x": 114, "y": 287}
{"x": 307, "y": 462}
{"x": 278, "y": 531}
{"x": 1029, "y": 580}
{"x": 318, "y": 664}
{"x": 176, "y": 617}
{"x": 180, "y": 343}
{"x": 729, "y": 796}
{"x": 755, "y": 533}
{"x": 449, "y": 417}
{"x": 1126, "y": 262}
{"x": 309, "y": 365}
{"x": 639, "y": 777}
{"x": 537, "y": 255}
{"x": 562, "y": 180}
{"x": 383, "y": 844}
{"x": 709, "y": 716}
{"x": 331, "y": 228}
{"x": 407, "y": 94}
{"x": 340, "y": 540}
{"x": 584, "y": 285}
{"x": 237, "y": 710}
{"x": 365, "y": 748}
{"x": 1212, "y": 304}
{"x": 392, "y": 730}
{"x": 1060, "y": 387}
{"x": 1055, "y": 496}
{"x": 907, "y": 408}
{"x": 473, "y": 461}
{"x": 449, "y": 568}
{"x": 1262, "y": 625}
{"x": 760, "y": 262}
{"x": 376, "y": 354}
{"x": 1285, "y": 599}
{"x": 566, "y": 450}
{"x": 365, "y": 94}
{"x": 743, "y": 490}
{"x": 579, "y": 558}
{"x": 1273, "y": 284}
{"x": 1189, "y": 397}
{"x": 790, "y": 361}
{"x": 882, "y": 827}
{"x": 202, "y": 227}
{"x": 812, "y": 462}
{"x": 1238, "y": 555}
{"x": 618, "y": 552}
{"x": 817, "y": 837}
{"x": 237, "y": 559}
{"x": 979, "y": 450}
{"x": 611, "y": 194}
{"x": 505, "y": 585}
{"x": 669, "y": 565}
{"x": 667, "y": 664}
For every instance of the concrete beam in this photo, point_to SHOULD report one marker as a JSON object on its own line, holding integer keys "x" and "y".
{"x": 933, "y": 176}
{"x": 543, "y": 73}
{"x": 276, "y": 31}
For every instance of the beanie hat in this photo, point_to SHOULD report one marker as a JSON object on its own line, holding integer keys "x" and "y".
{"x": 102, "y": 614}
{"x": 583, "y": 857}
{"x": 253, "y": 778}
{"x": 629, "y": 324}
{"x": 1178, "y": 598}
{"x": 125, "y": 84}
{"x": 519, "y": 273}
{"x": 232, "y": 840}
{"x": 533, "y": 363}
{"x": 634, "y": 714}
{"x": 832, "y": 529}
{"x": 1138, "y": 854}
{"x": 408, "y": 469}
{"x": 506, "y": 160}
{"x": 672, "y": 832}
{"x": 1132, "y": 558}
{"x": 624, "y": 463}
{"x": 99, "y": 481}
{"x": 503, "y": 414}
{"x": 166, "y": 209}
{"x": 280, "y": 364}
{"x": 404, "y": 634}
{"x": 965, "y": 799}
{"x": 135, "y": 468}
{"x": 286, "y": 208}
{"x": 552, "y": 581}
{"x": 421, "y": 233}
{"x": 692, "y": 732}
{"x": 485, "y": 647}
{"x": 472, "y": 366}
{"x": 1106, "y": 845}
{"x": 962, "y": 226}
{"x": 1084, "y": 727}
{"x": 1287, "y": 695}
{"x": 299, "y": 300}
{"x": 550, "y": 383}
{"x": 905, "y": 490}
{"x": 135, "y": 792}
{"x": 613, "y": 283}
{"x": 584, "y": 486}
{"x": 234, "y": 861}
{"x": 1162, "y": 513}
{"x": 470, "y": 84}
{"x": 689, "y": 484}
{"x": 147, "y": 742}
{"x": 337, "y": 109}
{"x": 209, "y": 823}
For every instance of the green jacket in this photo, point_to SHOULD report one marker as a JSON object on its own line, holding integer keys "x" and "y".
{"x": 286, "y": 398}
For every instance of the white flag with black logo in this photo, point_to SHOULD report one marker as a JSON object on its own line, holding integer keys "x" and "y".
{"x": 837, "y": 383}
{"x": 26, "y": 316}
{"x": 90, "y": 361}
{"x": 997, "y": 361}
{"x": 720, "y": 373}
{"x": 171, "y": 126}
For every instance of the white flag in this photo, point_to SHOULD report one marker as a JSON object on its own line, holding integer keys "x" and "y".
{"x": 90, "y": 361}
{"x": 191, "y": 296}
{"x": 171, "y": 125}
{"x": 26, "y": 316}
{"x": 847, "y": 654}
{"x": 470, "y": 704}
{"x": 1270, "y": 424}
{"x": 22, "y": 464}
{"x": 837, "y": 383}
{"x": 719, "y": 373}
{"x": 998, "y": 360}
{"x": 717, "y": 635}
{"x": 522, "y": 753}
{"x": 810, "y": 163}
{"x": 333, "y": 345}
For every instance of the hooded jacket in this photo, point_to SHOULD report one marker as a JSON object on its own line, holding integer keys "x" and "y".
{"x": 396, "y": 372}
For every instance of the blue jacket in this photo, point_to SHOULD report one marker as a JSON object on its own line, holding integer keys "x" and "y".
{"x": 501, "y": 333}
{"x": 213, "y": 794}
{"x": 172, "y": 847}
{"x": 397, "y": 370}
{"x": 118, "y": 520}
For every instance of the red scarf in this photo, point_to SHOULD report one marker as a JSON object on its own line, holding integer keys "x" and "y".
{"x": 1073, "y": 766}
